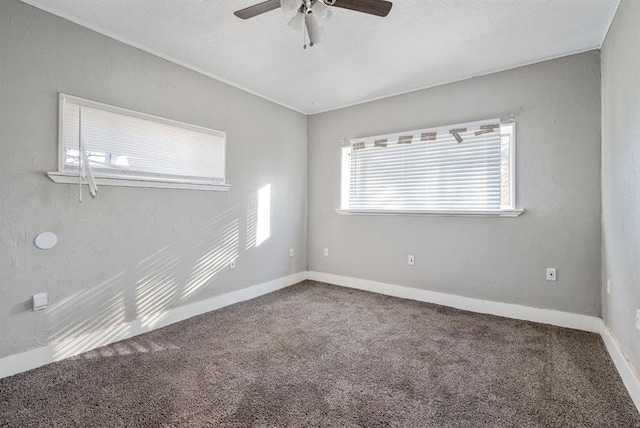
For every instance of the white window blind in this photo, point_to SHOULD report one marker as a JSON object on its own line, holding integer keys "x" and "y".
{"x": 127, "y": 144}
{"x": 451, "y": 168}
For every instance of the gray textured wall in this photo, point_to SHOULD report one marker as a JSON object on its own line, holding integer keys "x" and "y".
{"x": 557, "y": 108}
{"x": 621, "y": 177}
{"x": 131, "y": 251}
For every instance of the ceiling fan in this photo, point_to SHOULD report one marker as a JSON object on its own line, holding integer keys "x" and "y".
{"x": 307, "y": 14}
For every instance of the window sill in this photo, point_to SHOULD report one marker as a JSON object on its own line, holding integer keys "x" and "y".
{"x": 67, "y": 178}
{"x": 502, "y": 213}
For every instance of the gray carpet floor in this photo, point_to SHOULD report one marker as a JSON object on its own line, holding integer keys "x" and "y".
{"x": 320, "y": 355}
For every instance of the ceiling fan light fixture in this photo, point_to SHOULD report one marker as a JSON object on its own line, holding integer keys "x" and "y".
{"x": 321, "y": 10}
{"x": 297, "y": 22}
{"x": 315, "y": 31}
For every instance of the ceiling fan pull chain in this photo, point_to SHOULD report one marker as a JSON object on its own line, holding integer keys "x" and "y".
{"x": 304, "y": 37}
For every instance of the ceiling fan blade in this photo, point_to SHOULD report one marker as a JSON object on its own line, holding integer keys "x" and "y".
{"x": 257, "y": 9}
{"x": 373, "y": 7}
{"x": 289, "y": 8}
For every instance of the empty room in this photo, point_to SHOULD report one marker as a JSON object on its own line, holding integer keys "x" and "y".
{"x": 323, "y": 213}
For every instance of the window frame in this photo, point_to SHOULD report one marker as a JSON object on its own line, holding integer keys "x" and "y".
{"x": 133, "y": 179}
{"x": 504, "y": 211}
{"x": 512, "y": 164}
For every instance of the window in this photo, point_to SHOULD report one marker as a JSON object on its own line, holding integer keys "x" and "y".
{"x": 464, "y": 169}
{"x": 127, "y": 148}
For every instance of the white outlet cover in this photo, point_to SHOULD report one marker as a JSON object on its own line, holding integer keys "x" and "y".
{"x": 290, "y": 252}
{"x": 40, "y": 301}
{"x": 411, "y": 260}
{"x": 232, "y": 264}
{"x": 638, "y": 319}
{"x": 608, "y": 286}
{"x": 326, "y": 251}
{"x": 551, "y": 274}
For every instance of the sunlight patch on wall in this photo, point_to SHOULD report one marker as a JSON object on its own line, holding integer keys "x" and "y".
{"x": 263, "y": 231}
{"x": 88, "y": 319}
{"x": 165, "y": 279}
{"x": 157, "y": 283}
{"x": 218, "y": 245}
{"x": 252, "y": 221}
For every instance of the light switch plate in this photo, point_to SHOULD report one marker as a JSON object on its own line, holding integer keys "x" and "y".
{"x": 40, "y": 301}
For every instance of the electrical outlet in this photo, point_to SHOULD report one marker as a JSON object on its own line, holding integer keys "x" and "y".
{"x": 608, "y": 286}
{"x": 638, "y": 319}
{"x": 412, "y": 260}
{"x": 326, "y": 251}
{"x": 290, "y": 252}
{"x": 232, "y": 264}
{"x": 551, "y": 274}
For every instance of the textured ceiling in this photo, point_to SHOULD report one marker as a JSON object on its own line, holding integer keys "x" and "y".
{"x": 421, "y": 43}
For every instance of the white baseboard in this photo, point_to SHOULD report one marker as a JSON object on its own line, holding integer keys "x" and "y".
{"x": 56, "y": 351}
{"x": 625, "y": 369}
{"x": 508, "y": 310}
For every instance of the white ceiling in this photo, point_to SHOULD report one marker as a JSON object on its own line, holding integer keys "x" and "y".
{"x": 421, "y": 43}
